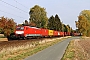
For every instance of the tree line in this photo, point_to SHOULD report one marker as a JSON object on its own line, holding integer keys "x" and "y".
{"x": 38, "y": 18}
{"x": 38, "y": 15}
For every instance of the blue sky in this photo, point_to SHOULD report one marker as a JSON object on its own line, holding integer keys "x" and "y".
{"x": 68, "y": 10}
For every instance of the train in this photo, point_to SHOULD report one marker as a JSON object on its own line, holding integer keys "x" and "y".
{"x": 25, "y": 32}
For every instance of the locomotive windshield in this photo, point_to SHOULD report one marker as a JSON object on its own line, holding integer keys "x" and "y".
{"x": 20, "y": 28}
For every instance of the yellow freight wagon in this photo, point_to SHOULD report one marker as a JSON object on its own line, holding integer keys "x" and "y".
{"x": 50, "y": 32}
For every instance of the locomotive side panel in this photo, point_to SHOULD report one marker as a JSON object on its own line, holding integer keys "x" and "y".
{"x": 32, "y": 31}
{"x": 44, "y": 32}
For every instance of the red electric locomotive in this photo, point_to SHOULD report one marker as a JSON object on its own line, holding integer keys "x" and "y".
{"x": 27, "y": 31}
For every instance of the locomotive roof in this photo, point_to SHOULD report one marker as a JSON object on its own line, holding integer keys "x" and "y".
{"x": 32, "y": 27}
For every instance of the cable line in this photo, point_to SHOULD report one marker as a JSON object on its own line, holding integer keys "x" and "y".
{"x": 12, "y": 9}
{"x": 21, "y": 4}
{"x": 12, "y": 14}
{"x": 13, "y": 6}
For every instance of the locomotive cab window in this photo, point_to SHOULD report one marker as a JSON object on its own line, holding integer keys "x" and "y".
{"x": 20, "y": 28}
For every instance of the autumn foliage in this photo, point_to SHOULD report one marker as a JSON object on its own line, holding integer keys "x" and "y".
{"x": 7, "y": 26}
{"x": 83, "y": 23}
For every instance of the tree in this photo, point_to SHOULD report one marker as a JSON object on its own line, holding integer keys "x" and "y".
{"x": 83, "y": 23}
{"x": 32, "y": 24}
{"x": 76, "y": 24}
{"x": 54, "y": 23}
{"x": 7, "y": 26}
{"x": 25, "y": 23}
{"x": 58, "y": 23}
{"x": 38, "y": 16}
{"x": 64, "y": 28}
{"x": 51, "y": 23}
{"x": 86, "y": 14}
{"x": 68, "y": 28}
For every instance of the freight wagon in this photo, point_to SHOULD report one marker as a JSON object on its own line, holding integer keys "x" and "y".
{"x": 56, "y": 33}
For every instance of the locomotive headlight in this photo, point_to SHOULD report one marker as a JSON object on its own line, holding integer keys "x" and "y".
{"x": 19, "y": 32}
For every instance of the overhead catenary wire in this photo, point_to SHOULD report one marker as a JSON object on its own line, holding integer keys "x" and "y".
{"x": 13, "y": 9}
{"x": 21, "y": 4}
{"x": 11, "y": 14}
{"x": 19, "y": 10}
{"x": 13, "y": 6}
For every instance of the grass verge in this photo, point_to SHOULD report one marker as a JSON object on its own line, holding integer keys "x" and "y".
{"x": 69, "y": 53}
{"x": 23, "y": 53}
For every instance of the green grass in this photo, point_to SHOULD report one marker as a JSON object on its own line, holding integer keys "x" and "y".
{"x": 69, "y": 53}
